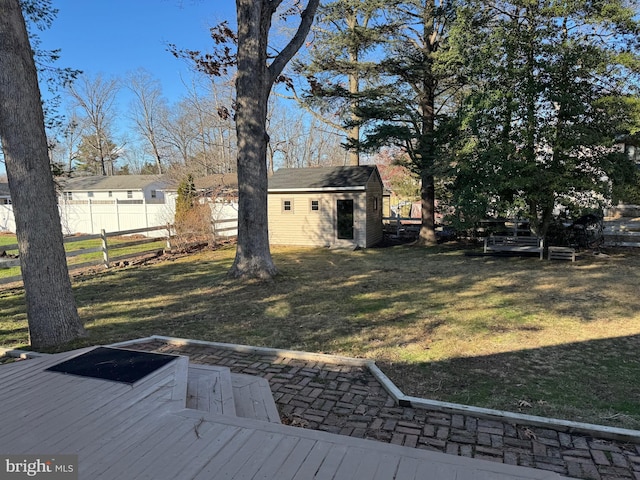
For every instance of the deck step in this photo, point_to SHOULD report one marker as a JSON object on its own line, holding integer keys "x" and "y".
{"x": 253, "y": 398}
{"x": 209, "y": 389}
{"x": 215, "y": 389}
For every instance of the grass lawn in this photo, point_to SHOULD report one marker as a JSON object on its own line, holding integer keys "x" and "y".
{"x": 546, "y": 338}
{"x": 114, "y": 250}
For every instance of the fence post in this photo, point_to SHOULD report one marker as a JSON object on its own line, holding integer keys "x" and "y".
{"x": 168, "y": 237}
{"x": 117, "y": 214}
{"x": 91, "y": 215}
{"x": 105, "y": 248}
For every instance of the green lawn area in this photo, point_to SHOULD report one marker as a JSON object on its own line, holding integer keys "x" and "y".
{"x": 114, "y": 250}
{"x": 546, "y": 338}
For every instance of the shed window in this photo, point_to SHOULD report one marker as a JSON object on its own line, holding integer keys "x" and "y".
{"x": 375, "y": 203}
{"x": 110, "y": 194}
{"x": 68, "y": 195}
{"x": 287, "y": 206}
{"x": 90, "y": 194}
{"x": 315, "y": 205}
{"x": 154, "y": 194}
{"x": 129, "y": 193}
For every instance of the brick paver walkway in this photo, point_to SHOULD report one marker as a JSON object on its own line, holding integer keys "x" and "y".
{"x": 348, "y": 400}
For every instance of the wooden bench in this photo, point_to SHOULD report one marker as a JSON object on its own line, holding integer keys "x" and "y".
{"x": 562, "y": 253}
{"x": 506, "y": 243}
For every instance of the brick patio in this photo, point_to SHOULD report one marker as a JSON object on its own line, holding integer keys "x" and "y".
{"x": 348, "y": 400}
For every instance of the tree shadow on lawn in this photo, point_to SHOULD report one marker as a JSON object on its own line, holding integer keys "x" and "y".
{"x": 593, "y": 381}
{"x": 442, "y": 325}
{"x": 322, "y": 296}
{"x": 301, "y": 309}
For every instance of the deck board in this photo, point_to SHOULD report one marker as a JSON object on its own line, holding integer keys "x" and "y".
{"x": 312, "y": 461}
{"x": 387, "y": 467}
{"x": 218, "y": 436}
{"x": 145, "y": 431}
{"x": 209, "y": 389}
{"x": 303, "y": 458}
{"x": 174, "y": 469}
{"x": 369, "y": 464}
{"x": 351, "y": 464}
{"x": 237, "y": 445}
{"x": 253, "y": 398}
{"x": 276, "y": 460}
{"x": 244, "y": 467}
{"x": 331, "y": 462}
{"x": 133, "y": 463}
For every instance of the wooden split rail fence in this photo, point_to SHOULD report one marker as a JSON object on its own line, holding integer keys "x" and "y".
{"x": 109, "y": 249}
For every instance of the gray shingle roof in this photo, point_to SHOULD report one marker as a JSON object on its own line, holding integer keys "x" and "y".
{"x": 325, "y": 178}
{"x": 115, "y": 182}
{"x": 218, "y": 180}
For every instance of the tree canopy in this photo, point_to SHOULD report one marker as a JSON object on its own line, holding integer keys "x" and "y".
{"x": 551, "y": 92}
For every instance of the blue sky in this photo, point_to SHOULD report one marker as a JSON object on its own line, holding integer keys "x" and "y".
{"x": 113, "y": 37}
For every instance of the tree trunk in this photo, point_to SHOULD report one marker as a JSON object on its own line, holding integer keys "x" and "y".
{"x": 51, "y": 309}
{"x": 254, "y": 80}
{"x": 353, "y": 134}
{"x": 253, "y": 256}
{"x": 427, "y": 234}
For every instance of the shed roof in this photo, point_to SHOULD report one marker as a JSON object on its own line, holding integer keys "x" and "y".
{"x": 323, "y": 178}
{"x": 112, "y": 182}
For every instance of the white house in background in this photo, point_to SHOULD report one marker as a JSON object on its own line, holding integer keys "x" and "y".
{"x": 88, "y": 205}
{"x": 121, "y": 188}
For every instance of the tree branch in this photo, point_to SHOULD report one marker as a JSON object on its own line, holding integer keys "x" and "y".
{"x": 306, "y": 20}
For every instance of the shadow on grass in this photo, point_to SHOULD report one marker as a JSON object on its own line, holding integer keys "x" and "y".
{"x": 443, "y": 325}
{"x": 591, "y": 381}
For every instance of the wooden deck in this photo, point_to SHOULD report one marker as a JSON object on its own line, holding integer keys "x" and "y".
{"x": 122, "y": 431}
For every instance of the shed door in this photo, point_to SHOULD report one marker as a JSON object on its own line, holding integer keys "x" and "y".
{"x": 345, "y": 219}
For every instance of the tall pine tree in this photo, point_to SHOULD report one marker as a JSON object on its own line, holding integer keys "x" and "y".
{"x": 418, "y": 77}
{"x": 343, "y": 60}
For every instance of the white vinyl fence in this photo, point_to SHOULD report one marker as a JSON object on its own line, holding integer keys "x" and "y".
{"x": 94, "y": 216}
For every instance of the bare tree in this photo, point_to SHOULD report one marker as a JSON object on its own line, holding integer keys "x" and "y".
{"x": 214, "y": 148}
{"x": 181, "y": 133}
{"x": 51, "y": 310}
{"x": 147, "y": 111}
{"x": 297, "y": 139}
{"x": 95, "y": 98}
{"x": 65, "y": 149}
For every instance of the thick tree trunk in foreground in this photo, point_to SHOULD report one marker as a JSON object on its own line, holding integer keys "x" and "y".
{"x": 51, "y": 309}
{"x": 253, "y": 84}
{"x": 255, "y": 78}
